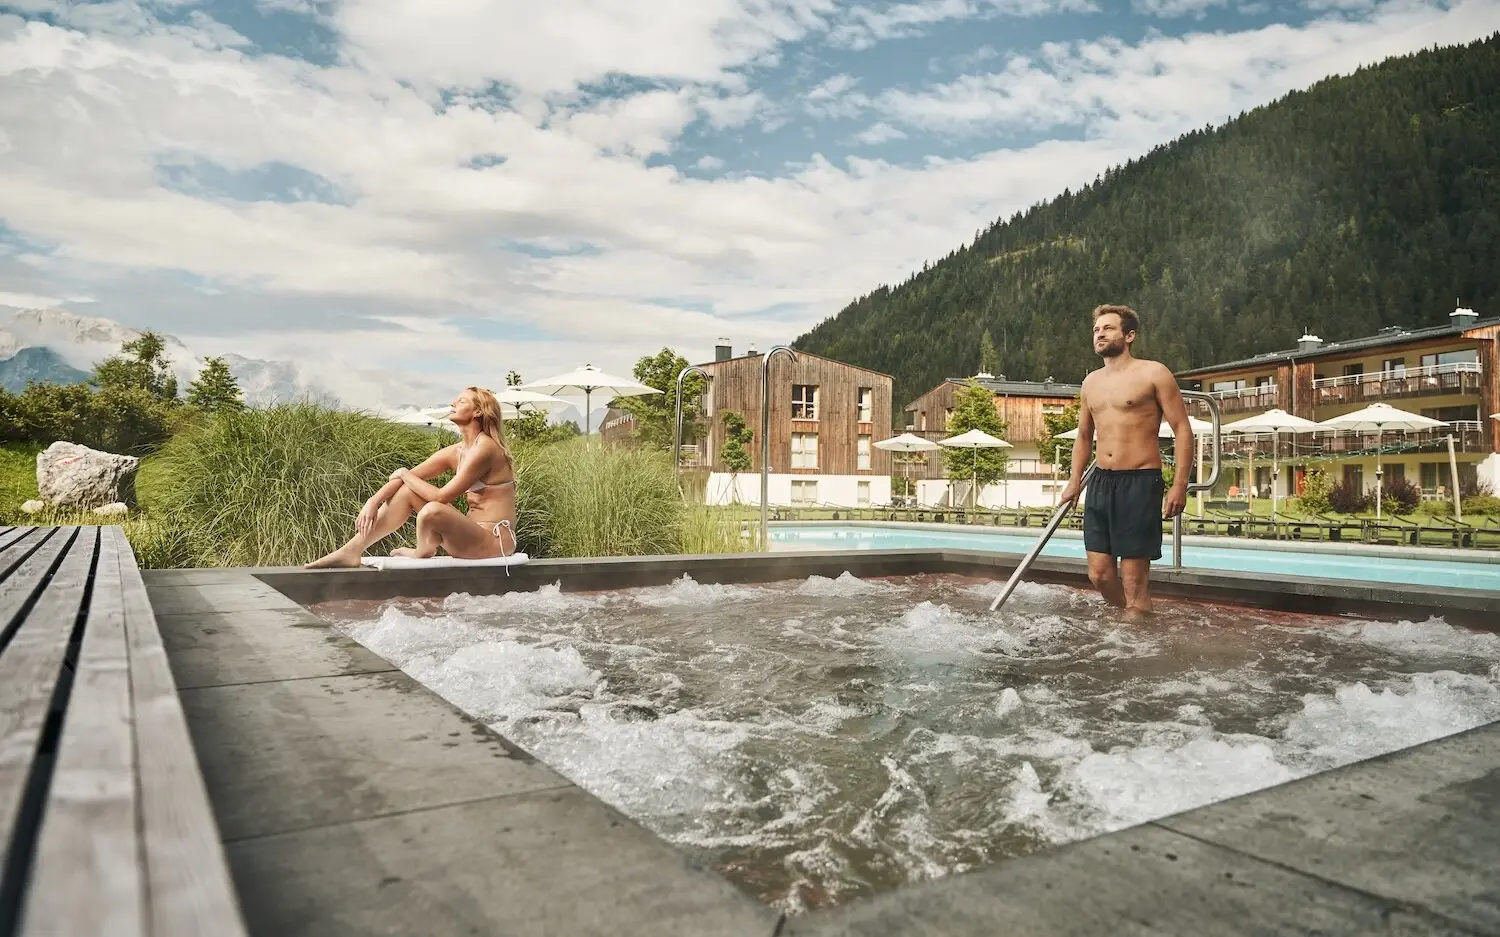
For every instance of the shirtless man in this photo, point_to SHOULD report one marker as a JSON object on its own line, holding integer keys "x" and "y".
{"x": 1125, "y": 402}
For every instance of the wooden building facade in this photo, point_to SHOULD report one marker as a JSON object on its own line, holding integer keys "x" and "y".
{"x": 1022, "y": 405}
{"x": 825, "y": 415}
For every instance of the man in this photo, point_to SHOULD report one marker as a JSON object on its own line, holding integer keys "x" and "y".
{"x": 1122, "y": 405}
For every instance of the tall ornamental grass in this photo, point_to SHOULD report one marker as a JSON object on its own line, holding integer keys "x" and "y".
{"x": 277, "y": 486}
{"x": 580, "y": 498}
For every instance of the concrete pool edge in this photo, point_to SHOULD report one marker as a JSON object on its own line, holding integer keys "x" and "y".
{"x": 249, "y": 656}
{"x": 1341, "y": 548}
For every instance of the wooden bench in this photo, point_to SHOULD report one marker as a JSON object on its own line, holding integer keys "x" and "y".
{"x": 105, "y": 825}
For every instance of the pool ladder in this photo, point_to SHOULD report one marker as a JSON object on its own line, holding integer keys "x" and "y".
{"x": 1064, "y": 508}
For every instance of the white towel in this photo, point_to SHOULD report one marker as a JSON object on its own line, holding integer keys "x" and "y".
{"x": 412, "y": 562}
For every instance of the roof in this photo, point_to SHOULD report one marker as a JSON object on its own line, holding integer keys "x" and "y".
{"x": 1006, "y": 388}
{"x": 1392, "y": 335}
{"x": 800, "y": 354}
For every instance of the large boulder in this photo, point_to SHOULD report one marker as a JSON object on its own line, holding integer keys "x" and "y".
{"x": 75, "y": 477}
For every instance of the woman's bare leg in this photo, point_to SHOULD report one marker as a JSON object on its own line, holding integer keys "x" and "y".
{"x": 443, "y": 525}
{"x": 393, "y": 514}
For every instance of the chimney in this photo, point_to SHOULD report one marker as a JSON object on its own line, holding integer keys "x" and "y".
{"x": 1309, "y": 342}
{"x": 723, "y": 351}
{"x": 751, "y": 350}
{"x": 984, "y": 376}
{"x": 1462, "y": 318}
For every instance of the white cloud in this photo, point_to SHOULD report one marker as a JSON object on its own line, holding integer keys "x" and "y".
{"x": 1174, "y": 8}
{"x": 709, "y": 163}
{"x": 863, "y": 26}
{"x": 568, "y": 233}
{"x": 879, "y": 133}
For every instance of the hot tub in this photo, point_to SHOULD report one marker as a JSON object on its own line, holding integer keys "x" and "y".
{"x": 823, "y": 728}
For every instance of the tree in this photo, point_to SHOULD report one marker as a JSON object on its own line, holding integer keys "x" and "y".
{"x": 655, "y": 414}
{"x": 1051, "y": 448}
{"x": 974, "y": 408}
{"x": 532, "y": 427}
{"x": 141, "y": 365}
{"x": 989, "y": 358}
{"x": 512, "y": 379}
{"x": 735, "y": 453}
{"x": 215, "y": 388}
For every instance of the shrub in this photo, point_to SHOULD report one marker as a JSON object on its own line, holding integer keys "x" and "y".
{"x": 1481, "y": 504}
{"x": 708, "y": 529}
{"x": 1316, "y": 489}
{"x": 125, "y": 420}
{"x": 1348, "y": 500}
{"x": 1400, "y": 497}
{"x": 279, "y": 486}
{"x": 1471, "y": 487}
{"x": 583, "y": 499}
{"x": 1439, "y": 507}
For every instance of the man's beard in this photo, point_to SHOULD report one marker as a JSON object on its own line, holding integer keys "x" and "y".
{"x": 1113, "y": 350}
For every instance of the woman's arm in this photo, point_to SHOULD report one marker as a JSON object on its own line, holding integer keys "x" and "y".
{"x": 434, "y": 465}
{"x": 469, "y": 471}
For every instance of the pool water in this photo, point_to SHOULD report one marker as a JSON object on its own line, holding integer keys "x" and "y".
{"x": 1293, "y": 562}
{"x": 817, "y": 740}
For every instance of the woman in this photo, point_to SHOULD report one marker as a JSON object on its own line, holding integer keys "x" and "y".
{"x": 483, "y": 471}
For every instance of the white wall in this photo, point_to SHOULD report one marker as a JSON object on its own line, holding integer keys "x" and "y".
{"x": 833, "y": 490}
{"x": 1029, "y": 492}
{"x": 1490, "y": 469}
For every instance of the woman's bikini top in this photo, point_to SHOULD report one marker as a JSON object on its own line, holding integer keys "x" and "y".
{"x": 480, "y": 485}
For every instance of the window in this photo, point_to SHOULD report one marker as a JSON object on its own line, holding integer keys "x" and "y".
{"x": 1350, "y": 370}
{"x": 804, "y": 450}
{"x": 804, "y": 492}
{"x": 1263, "y": 382}
{"x": 1450, "y": 414}
{"x": 864, "y": 453}
{"x": 1354, "y": 478}
{"x": 1053, "y": 409}
{"x": 1433, "y": 475}
{"x": 862, "y": 494}
{"x": 1393, "y": 366}
{"x": 1221, "y": 386}
{"x": 866, "y": 405}
{"x": 804, "y": 401}
{"x": 1462, "y": 356}
{"x": 1395, "y": 473}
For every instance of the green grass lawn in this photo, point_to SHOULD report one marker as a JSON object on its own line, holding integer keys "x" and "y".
{"x": 17, "y": 475}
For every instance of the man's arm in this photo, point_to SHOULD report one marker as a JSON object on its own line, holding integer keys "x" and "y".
{"x": 1174, "y": 411}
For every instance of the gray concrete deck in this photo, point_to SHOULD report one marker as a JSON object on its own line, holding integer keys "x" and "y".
{"x": 353, "y": 801}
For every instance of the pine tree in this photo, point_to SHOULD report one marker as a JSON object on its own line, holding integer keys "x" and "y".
{"x": 989, "y": 358}
{"x": 512, "y": 379}
{"x": 215, "y": 389}
{"x": 141, "y": 365}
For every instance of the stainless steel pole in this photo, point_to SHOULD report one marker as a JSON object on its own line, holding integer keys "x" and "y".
{"x": 1213, "y": 475}
{"x": 765, "y": 441}
{"x": 677, "y": 431}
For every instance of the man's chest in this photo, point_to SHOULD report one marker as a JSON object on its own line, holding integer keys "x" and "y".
{"x": 1122, "y": 395}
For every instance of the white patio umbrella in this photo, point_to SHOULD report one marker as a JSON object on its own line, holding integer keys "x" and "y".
{"x": 433, "y": 416}
{"x": 1275, "y": 422}
{"x": 975, "y": 439}
{"x": 1162, "y": 432}
{"x": 907, "y": 442}
{"x": 586, "y": 380}
{"x": 518, "y": 399}
{"x": 1377, "y": 418}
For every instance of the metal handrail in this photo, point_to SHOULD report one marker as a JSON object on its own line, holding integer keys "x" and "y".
{"x": 1213, "y": 475}
{"x": 765, "y": 441}
{"x": 1064, "y": 508}
{"x": 677, "y": 423}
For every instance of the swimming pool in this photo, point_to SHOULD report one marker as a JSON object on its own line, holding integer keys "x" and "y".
{"x": 1369, "y": 566}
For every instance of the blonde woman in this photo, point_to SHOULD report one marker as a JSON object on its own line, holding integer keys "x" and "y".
{"x": 483, "y": 471}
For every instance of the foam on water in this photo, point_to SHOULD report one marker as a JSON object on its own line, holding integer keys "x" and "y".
{"x": 836, "y": 737}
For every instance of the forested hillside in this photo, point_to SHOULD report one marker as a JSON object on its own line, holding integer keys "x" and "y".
{"x": 1366, "y": 200}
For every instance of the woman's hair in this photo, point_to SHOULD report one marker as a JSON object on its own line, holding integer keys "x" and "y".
{"x": 491, "y": 423}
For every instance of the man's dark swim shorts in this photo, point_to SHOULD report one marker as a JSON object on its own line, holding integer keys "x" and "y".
{"x": 1122, "y": 513}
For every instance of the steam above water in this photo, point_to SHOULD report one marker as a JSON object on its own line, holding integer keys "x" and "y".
{"x": 823, "y": 739}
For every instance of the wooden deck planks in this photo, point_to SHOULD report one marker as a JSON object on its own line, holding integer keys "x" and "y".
{"x": 187, "y": 874}
{"x": 31, "y": 660}
{"x": 90, "y": 843}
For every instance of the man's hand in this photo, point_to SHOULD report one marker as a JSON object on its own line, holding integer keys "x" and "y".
{"x": 1070, "y": 493}
{"x": 1176, "y": 501}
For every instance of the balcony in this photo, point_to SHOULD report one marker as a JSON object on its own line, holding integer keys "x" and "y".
{"x": 1461, "y": 377}
{"x": 1468, "y": 436}
{"x": 1246, "y": 399}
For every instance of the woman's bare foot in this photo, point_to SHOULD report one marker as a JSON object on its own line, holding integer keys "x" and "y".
{"x": 342, "y": 558}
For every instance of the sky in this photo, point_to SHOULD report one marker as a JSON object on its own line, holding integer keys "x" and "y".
{"x": 408, "y": 196}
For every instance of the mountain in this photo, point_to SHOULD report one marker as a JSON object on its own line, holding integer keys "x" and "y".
{"x": 70, "y": 345}
{"x": 37, "y": 364}
{"x": 1364, "y": 201}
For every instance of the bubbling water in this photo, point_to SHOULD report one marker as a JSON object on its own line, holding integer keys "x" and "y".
{"x": 822, "y": 739}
